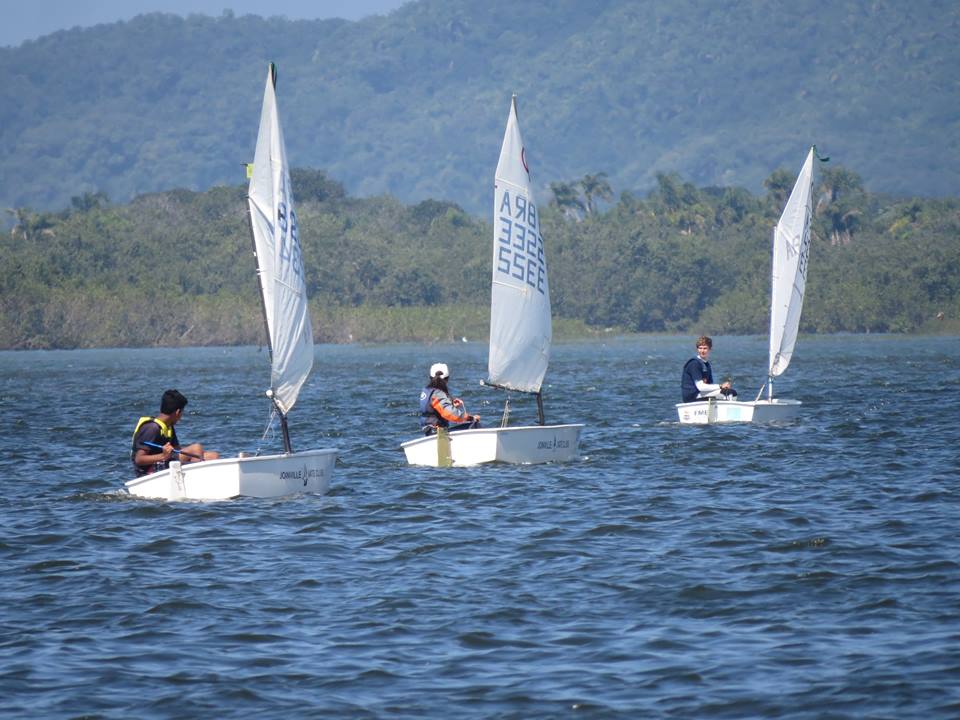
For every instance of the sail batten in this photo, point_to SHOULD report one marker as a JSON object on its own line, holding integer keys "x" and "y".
{"x": 791, "y": 250}
{"x": 273, "y": 222}
{"x": 520, "y": 324}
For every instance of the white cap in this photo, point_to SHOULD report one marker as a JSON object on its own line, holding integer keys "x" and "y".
{"x": 439, "y": 368}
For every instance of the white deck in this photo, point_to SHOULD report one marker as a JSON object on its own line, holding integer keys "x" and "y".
{"x": 518, "y": 445}
{"x": 708, "y": 412}
{"x": 263, "y": 476}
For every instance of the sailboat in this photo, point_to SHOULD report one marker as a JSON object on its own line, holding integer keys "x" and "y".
{"x": 791, "y": 251}
{"x": 273, "y": 225}
{"x": 520, "y": 331}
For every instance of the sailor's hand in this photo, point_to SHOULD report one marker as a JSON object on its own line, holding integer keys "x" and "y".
{"x": 457, "y": 402}
{"x": 167, "y": 451}
{"x": 725, "y": 386}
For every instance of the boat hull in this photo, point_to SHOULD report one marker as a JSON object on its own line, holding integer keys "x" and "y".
{"x": 709, "y": 412}
{"x": 262, "y": 476}
{"x": 516, "y": 445}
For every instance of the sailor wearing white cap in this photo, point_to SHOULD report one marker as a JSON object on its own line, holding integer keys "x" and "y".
{"x": 438, "y": 408}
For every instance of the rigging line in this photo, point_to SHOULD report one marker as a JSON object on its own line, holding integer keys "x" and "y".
{"x": 269, "y": 429}
{"x": 760, "y": 392}
{"x": 291, "y": 288}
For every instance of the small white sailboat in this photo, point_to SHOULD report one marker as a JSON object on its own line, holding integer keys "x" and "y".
{"x": 520, "y": 330}
{"x": 791, "y": 250}
{"x": 273, "y": 224}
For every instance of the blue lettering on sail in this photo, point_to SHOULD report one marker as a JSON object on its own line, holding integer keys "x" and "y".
{"x": 289, "y": 231}
{"x": 804, "y": 252}
{"x": 521, "y": 207}
{"x": 519, "y": 244}
{"x": 506, "y": 224}
{"x": 520, "y": 236}
{"x": 503, "y": 260}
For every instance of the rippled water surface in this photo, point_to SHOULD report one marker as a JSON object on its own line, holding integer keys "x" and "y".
{"x": 806, "y": 571}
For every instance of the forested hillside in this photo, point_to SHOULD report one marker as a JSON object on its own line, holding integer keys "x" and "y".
{"x": 413, "y": 103}
{"x": 176, "y": 268}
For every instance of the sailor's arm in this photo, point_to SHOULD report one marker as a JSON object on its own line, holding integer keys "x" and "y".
{"x": 705, "y": 388}
{"x": 143, "y": 457}
{"x": 443, "y": 407}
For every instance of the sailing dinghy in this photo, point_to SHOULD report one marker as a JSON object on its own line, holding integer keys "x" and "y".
{"x": 520, "y": 331}
{"x": 273, "y": 224}
{"x": 791, "y": 250}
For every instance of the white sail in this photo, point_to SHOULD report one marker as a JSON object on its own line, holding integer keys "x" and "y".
{"x": 791, "y": 250}
{"x": 520, "y": 329}
{"x": 279, "y": 261}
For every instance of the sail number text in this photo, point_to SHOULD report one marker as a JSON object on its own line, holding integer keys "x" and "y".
{"x": 519, "y": 249}
{"x": 289, "y": 230}
{"x": 804, "y": 253}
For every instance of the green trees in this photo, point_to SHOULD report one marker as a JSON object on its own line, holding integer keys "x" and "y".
{"x": 840, "y": 203}
{"x": 594, "y": 188}
{"x": 566, "y": 196}
{"x": 89, "y": 201}
{"x": 29, "y": 226}
{"x": 176, "y": 267}
{"x": 579, "y": 198}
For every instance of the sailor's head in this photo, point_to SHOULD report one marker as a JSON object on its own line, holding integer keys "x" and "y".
{"x": 704, "y": 345}
{"x": 172, "y": 401}
{"x": 439, "y": 370}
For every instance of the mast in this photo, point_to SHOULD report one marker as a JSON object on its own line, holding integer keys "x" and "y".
{"x": 266, "y": 326}
{"x": 773, "y": 298}
{"x": 788, "y": 276}
{"x": 280, "y": 273}
{"x": 253, "y": 242}
{"x": 536, "y": 393}
{"x": 520, "y": 322}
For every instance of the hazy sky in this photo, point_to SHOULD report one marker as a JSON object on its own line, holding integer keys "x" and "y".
{"x": 28, "y": 19}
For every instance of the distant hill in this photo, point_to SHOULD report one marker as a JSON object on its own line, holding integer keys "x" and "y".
{"x": 413, "y": 103}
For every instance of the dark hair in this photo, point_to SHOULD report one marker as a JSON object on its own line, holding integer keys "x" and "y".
{"x": 438, "y": 383}
{"x": 704, "y": 340}
{"x": 172, "y": 401}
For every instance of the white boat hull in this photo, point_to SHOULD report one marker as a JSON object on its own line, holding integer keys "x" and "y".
{"x": 517, "y": 445}
{"x": 708, "y": 412}
{"x": 262, "y": 476}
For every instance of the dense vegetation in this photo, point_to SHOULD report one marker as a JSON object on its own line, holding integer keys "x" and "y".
{"x": 413, "y": 103}
{"x": 176, "y": 267}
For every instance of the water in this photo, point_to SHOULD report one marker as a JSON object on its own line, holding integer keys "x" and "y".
{"x": 810, "y": 571}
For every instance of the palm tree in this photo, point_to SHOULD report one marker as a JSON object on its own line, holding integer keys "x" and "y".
{"x": 670, "y": 190}
{"x": 89, "y": 201}
{"x": 595, "y": 187}
{"x": 841, "y": 203}
{"x": 566, "y": 196}
{"x": 778, "y": 186}
{"x": 28, "y": 225}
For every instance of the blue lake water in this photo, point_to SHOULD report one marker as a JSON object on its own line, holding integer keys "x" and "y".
{"x": 806, "y": 571}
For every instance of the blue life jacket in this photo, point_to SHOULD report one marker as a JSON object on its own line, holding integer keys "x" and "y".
{"x": 428, "y": 416}
{"x": 695, "y": 369}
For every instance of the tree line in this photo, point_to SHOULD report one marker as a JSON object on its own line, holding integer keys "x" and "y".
{"x": 176, "y": 267}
